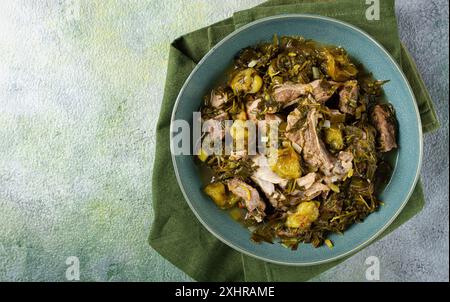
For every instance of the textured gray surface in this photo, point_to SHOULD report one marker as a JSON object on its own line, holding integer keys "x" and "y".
{"x": 80, "y": 88}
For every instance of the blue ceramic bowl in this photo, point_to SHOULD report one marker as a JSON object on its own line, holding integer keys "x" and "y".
{"x": 375, "y": 59}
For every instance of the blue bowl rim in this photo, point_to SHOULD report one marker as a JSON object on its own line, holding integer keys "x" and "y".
{"x": 416, "y": 109}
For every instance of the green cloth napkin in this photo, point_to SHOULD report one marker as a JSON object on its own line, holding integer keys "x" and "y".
{"x": 176, "y": 233}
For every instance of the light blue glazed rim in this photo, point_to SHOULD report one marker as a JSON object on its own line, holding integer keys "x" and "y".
{"x": 417, "y": 145}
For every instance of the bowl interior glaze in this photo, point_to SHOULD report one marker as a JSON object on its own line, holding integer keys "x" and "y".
{"x": 375, "y": 59}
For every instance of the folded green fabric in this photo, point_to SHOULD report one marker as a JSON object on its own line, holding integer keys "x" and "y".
{"x": 176, "y": 233}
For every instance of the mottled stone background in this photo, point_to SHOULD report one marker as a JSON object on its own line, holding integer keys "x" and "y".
{"x": 80, "y": 89}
